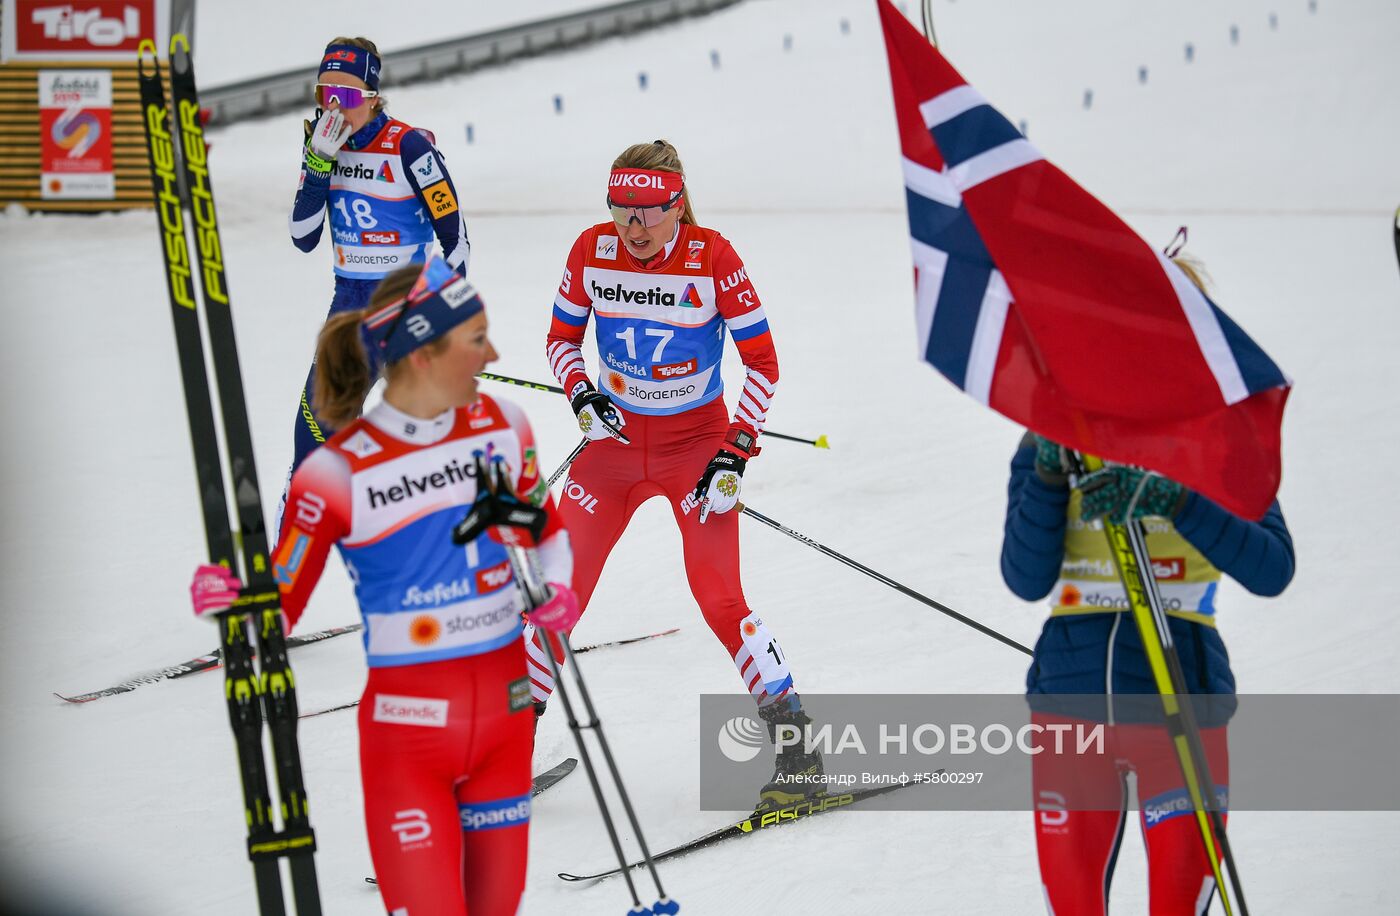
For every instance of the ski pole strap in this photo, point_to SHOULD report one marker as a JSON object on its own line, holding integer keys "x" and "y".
{"x": 316, "y": 164}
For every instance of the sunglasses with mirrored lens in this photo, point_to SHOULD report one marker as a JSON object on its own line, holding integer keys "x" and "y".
{"x": 346, "y": 97}
{"x": 649, "y": 217}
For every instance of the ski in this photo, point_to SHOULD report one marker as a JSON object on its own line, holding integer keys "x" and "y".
{"x": 269, "y": 690}
{"x": 539, "y": 784}
{"x": 552, "y": 775}
{"x": 197, "y": 664}
{"x": 602, "y": 645}
{"x": 625, "y": 642}
{"x": 821, "y": 804}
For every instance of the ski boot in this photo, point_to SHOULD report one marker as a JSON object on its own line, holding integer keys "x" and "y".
{"x": 798, "y": 773}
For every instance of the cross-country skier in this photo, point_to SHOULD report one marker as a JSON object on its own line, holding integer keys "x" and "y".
{"x": 662, "y": 291}
{"x": 446, "y": 727}
{"x": 382, "y": 185}
{"x": 1055, "y": 545}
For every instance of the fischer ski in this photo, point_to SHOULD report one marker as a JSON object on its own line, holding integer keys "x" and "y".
{"x": 539, "y": 784}
{"x": 197, "y": 664}
{"x": 820, "y": 804}
{"x": 602, "y": 645}
{"x": 269, "y": 690}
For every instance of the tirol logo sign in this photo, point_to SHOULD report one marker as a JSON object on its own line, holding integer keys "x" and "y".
{"x": 75, "y": 135}
{"x": 91, "y": 29}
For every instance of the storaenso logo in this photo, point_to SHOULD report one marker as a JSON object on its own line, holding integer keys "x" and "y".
{"x": 665, "y": 394}
{"x": 351, "y": 257}
{"x": 358, "y": 170}
{"x": 618, "y": 293}
{"x": 172, "y": 221}
{"x": 482, "y": 621}
{"x": 211, "y": 256}
{"x": 408, "y": 487}
{"x": 740, "y": 739}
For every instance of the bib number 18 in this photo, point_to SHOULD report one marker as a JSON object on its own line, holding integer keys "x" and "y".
{"x": 364, "y": 214}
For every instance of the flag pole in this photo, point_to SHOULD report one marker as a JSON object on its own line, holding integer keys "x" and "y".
{"x": 1128, "y": 546}
{"x": 928, "y": 23}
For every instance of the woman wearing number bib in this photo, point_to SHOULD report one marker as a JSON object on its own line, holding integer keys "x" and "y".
{"x": 445, "y": 723}
{"x": 663, "y": 291}
{"x": 1090, "y": 665}
{"x": 380, "y": 184}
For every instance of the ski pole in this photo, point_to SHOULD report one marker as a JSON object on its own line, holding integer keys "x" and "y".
{"x": 578, "y": 450}
{"x": 524, "y": 565}
{"x": 1128, "y": 545}
{"x": 881, "y": 577}
{"x": 525, "y": 574}
{"x": 819, "y": 442}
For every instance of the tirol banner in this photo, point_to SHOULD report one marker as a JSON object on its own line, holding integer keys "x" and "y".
{"x": 75, "y": 135}
{"x": 1057, "y": 753}
{"x": 98, "y": 30}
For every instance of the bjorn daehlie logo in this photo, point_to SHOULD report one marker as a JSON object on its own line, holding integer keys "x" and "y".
{"x": 740, "y": 739}
{"x": 408, "y": 487}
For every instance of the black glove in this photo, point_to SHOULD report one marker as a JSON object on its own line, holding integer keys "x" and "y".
{"x": 598, "y": 416}
{"x": 497, "y": 506}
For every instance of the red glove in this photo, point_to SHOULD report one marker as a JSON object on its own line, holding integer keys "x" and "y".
{"x": 559, "y": 613}
{"x": 212, "y": 590}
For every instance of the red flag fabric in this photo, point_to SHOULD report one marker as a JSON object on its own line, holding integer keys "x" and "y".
{"x": 1039, "y": 301}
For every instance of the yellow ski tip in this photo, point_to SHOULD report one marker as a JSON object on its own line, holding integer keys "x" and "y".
{"x": 821, "y": 442}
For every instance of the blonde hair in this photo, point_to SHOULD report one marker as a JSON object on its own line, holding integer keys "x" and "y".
{"x": 657, "y": 156}
{"x": 1193, "y": 268}
{"x": 379, "y": 103}
{"x": 342, "y": 367}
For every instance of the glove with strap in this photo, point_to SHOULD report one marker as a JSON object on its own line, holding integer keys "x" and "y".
{"x": 559, "y": 613}
{"x": 324, "y": 140}
{"x": 1120, "y": 492}
{"x": 598, "y": 416}
{"x": 1052, "y": 465}
{"x": 213, "y": 590}
{"x": 718, "y": 488}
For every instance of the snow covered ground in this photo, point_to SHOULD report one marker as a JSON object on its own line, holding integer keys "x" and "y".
{"x": 1279, "y": 152}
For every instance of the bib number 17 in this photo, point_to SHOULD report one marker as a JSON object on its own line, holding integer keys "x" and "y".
{"x": 629, "y": 337}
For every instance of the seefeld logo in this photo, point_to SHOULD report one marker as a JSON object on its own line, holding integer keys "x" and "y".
{"x": 740, "y": 739}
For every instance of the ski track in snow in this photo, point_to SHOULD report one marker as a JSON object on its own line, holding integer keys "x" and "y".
{"x": 1278, "y": 152}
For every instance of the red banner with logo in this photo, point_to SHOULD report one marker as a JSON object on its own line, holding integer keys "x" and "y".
{"x": 75, "y": 135}
{"x": 82, "y": 30}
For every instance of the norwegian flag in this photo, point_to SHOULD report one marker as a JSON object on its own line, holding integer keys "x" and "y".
{"x": 1037, "y": 300}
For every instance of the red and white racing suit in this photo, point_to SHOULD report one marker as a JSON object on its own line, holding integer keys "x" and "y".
{"x": 446, "y": 731}
{"x": 660, "y": 331}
